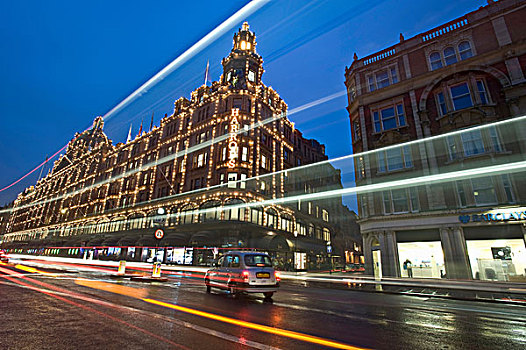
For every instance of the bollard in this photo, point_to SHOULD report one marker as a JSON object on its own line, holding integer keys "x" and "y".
{"x": 122, "y": 267}
{"x": 156, "y": 272}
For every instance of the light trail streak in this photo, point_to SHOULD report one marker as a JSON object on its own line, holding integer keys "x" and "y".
{"x": 220, "y": 30}
{"x": 113, "y": 288}
{"x": 87, "y": 308}
{"x": 350, "y": 157}
{"x": 217, "y": 32}
{"x": 267, "y": 329}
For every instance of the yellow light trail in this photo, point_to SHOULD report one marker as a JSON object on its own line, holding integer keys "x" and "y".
{"x": 33, "y": 270}
{"x": 139, "y": 293}
{"x": 267, "y": 329}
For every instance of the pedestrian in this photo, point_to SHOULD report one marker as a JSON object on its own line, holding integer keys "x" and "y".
{"x": 409, "y": 267}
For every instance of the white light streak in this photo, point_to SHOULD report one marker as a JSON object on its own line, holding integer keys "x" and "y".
{"x": 220, "y": 30}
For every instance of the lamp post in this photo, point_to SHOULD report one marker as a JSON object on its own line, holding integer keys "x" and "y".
{"x": 295, "y": 250}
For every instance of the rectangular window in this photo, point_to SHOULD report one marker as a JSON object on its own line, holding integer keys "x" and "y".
{"x": 243, "y": 183}
{"x": 461, "y": 97}
{"x": 400, "y": 204}
{"x": 452, "y": 147}
{"x": 506, "y": 184}
{"x": 495, "y": 140}
{"x": 389, "y": 118}
{"x": 356, "y": 130}
{"x": 232, "y": 178}
{"x": 441, "y": 102}
{"x": 222, "y": 178}
{"x": 461, "y": 194}
{"x": 244, "y": 154}
{"x": 472, "y": 143}
{"x": 200, "y": 160}
{"x": 382, "y": 79}
{"x": 361, "y": 168}
{"x": 483, "y": 191}
{"x": 223, "y": 156}
{"x": 413, "y": 197}
{"x": 482, "y": 92}
{"x": 263, "y": 161}
{"x": 395, "y": 159}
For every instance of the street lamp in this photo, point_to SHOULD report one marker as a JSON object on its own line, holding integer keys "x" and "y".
{"x": 295, "y": 249}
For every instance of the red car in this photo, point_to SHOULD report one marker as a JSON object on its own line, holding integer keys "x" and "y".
{"x": 3, "y": 257}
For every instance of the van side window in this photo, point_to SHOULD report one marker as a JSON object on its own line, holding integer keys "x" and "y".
{"x": 235, "y": 261}
{"x": 227, "y": 261}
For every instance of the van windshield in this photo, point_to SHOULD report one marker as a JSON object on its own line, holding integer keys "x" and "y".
{"x": 258, "y": 260}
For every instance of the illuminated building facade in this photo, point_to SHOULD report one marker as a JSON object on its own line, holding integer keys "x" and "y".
{"x": 199, "y": 176}
{"x": 465, "y": 73}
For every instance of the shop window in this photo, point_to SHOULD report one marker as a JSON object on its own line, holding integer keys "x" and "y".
{"x": 483, "y": 191}
{"x": 497, "y": 260}
{"x": 421, "y": 259}
{"x": 243, "y": 182}
{"x": 244, "y": 154}
{"x": 389, "y": 118}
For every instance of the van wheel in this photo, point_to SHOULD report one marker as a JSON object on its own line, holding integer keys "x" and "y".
{"x": 268, "y": 295}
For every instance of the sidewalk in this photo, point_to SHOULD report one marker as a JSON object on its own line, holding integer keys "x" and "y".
{"x": 488, "y": 291}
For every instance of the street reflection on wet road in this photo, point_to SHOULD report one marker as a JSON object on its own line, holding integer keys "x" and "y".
{"x": 355, "y": 319}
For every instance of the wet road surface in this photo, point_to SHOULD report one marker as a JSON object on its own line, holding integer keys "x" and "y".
{"x": 88, "y": 309}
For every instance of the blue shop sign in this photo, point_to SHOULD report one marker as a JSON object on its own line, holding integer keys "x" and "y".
{"x": 493, "y": 217}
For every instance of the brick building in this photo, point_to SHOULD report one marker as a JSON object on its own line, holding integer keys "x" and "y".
{"x": 200, "y": 176}
{"x": 462, "y": 86}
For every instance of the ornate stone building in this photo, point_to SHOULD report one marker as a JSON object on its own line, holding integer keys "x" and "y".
{"x": 466, "y": 73}
{"x": 211, "y": 175}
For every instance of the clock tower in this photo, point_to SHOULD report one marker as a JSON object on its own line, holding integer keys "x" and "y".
{"x": 243, "y": 67}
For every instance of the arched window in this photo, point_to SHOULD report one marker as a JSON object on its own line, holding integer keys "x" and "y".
{"x": 318, "y": 233}
{"x": 464, "y": 49}
{"x": 210, "y": 211}
{"x": 173, "y": 217}
{"x": 311, "y": 230}
{"x": 272, "y": 218}
{"x": 256, "y": 216}
{"x": 187, "y": 215}
{"x": 435, "y": 60}
{"x": 326, "y": 234}
{"x": 450, "y": 56}
{"x": 286, "y": 223}
{"x": 136, "y": 221}
{"x": 301, "y": 228}
{"x": 237, "y": 213}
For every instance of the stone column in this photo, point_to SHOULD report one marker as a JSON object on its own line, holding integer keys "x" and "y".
{"x": 389, "y": 253}
{"x": 368, "y": 254}
{"x": 455, "y": 253}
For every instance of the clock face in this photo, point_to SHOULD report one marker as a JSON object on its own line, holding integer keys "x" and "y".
{"x": 251, "y": 76}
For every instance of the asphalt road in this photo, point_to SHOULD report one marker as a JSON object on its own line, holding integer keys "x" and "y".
{"x": 89, "y": 310}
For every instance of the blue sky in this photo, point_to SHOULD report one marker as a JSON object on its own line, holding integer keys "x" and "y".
{"x": 65, "y": 62}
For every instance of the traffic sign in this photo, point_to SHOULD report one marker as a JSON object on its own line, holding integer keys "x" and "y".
{"x": 329, "y": 249}
{"x": 159, "y": 234}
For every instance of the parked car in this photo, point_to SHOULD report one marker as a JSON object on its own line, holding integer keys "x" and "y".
{"x": 248, "y": 272}
{"x": 3, "y": 257}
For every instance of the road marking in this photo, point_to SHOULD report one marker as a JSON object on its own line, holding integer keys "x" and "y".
{"x": 139, "y": 293}
{"x": 259, "y": 327}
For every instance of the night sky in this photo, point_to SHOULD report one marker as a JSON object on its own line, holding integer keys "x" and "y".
{"x": 65, "y": 62}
